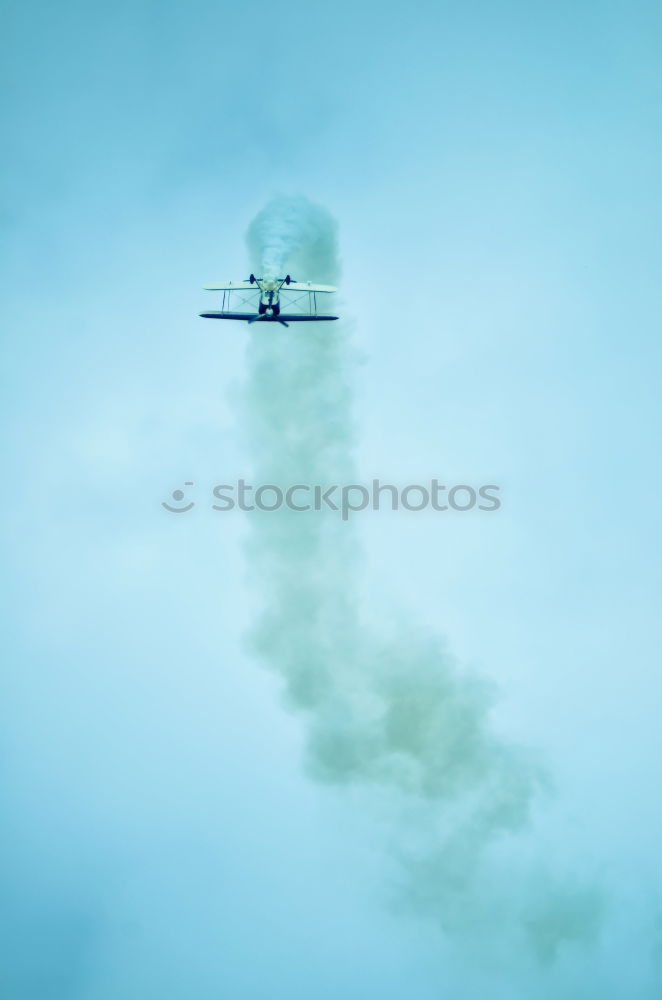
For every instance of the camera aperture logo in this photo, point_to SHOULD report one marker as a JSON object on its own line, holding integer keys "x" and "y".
{"x": 344, "y": 499}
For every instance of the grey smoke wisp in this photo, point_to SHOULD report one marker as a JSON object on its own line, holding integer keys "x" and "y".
{"x": 387, "y": 711}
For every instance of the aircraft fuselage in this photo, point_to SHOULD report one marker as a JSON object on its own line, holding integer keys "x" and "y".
{"x": 269, "y": 295}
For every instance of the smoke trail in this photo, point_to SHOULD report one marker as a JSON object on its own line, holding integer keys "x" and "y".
{"x": 391, "y": 712}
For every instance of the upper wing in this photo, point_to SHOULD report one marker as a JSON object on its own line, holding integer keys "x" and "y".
{"x": 230, "y": 286}
{"x": 294, "y": 286}
{"x": 306, "y": 286}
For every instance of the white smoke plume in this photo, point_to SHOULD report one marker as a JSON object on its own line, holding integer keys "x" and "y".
{"x": 390, "y": 713}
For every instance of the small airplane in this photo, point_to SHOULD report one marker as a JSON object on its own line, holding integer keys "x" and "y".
{"x": 269, "y": 305}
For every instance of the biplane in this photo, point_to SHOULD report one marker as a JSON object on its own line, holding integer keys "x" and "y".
{"x": 263, "y": 297}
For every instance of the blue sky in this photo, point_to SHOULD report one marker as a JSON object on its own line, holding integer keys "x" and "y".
{"x": 493, "y": 169}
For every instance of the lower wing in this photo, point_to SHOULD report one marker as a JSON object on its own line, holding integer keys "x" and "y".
{"x": 280, "y": 318}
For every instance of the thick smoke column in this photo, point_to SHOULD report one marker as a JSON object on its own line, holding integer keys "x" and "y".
{"x": 390, "y": 712}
